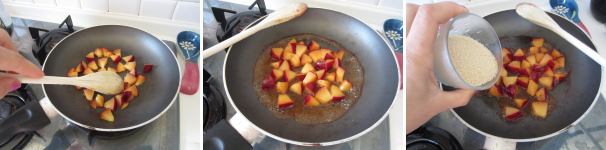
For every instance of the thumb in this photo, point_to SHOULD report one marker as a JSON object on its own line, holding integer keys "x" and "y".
{"x": 457, "y": 98}
{"x": 8, "y": 85}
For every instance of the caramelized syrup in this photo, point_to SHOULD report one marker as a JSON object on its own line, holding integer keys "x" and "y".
{"x": 325, "y": 113}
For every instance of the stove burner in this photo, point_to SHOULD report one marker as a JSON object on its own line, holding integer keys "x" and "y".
{"x": 214, "y": 104}
{"x": 45, "y": 42}
{"x": 8, "y": 105}
{"x": 236, "y": 23}
{"x": 431, "y": 138}
{"x": 93, "y": 134}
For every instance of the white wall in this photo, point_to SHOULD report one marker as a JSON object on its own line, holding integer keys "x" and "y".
{"x": 177, "y": 10}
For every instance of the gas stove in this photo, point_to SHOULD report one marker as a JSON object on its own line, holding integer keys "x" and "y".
{"x": 44, "y": 43}
{"x": 214, "y": 102}
{"x": 12, "y": 107}
{"x": 34, "y": 39}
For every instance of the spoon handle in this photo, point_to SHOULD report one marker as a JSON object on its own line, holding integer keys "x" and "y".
{"x": 281, "y": 15}
{"x": 584, "y": 48}
{"x": 43, "y": 80}
{"x": 234, "y": 39}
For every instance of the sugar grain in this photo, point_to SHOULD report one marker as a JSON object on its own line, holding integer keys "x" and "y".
{"x": 472, "y": 60}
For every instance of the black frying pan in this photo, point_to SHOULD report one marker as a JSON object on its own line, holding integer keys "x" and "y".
{"x": 156, "y": 95}
{"x": 576, "y": 95}
{"x": 379, "y": 91}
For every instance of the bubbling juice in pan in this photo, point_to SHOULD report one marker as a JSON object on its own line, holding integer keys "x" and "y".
{"x": 325, "y": 113}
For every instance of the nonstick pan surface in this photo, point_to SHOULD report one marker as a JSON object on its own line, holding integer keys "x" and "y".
{"x": 575, "y": 96}
{"x": 380, "y": 73}
{"x": 156, "y": 95}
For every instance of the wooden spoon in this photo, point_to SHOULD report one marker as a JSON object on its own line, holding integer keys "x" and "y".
{"x": 536, "y": 15}
{"x": 283, "y": 14}
{"x": 106, "y": 82}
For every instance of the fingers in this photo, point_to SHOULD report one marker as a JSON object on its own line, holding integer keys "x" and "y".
{"x": 426, "y": 22}
{"x": 453, "y": 99}
{"x": 411, "y": 12}
{"x": 13, "y": 61}
{"x": 7, "y": 85}
{"x": 6, "y": 41}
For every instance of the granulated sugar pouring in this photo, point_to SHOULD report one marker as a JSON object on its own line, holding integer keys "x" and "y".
{"x": 472, "y": 60}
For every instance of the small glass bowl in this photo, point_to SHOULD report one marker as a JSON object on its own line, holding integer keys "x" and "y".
{"x": 475, "y": 27}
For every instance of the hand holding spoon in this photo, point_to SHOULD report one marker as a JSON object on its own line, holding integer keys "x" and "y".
{"x": 281, "y": 15}
{"x": 106, "y": 82}
{"x": 535, "y": 15}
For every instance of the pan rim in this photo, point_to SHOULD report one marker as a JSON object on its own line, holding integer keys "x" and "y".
{"x": 118, "y": 129}
{"x": 554, "y": 133}
{"x": 355, "y": 136}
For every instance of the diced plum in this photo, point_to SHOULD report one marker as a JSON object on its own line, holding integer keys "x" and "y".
{"x": 540, "y": 108}
{"x": 541, "y": 94}
{"x": 537, "y": 42}
{"x": 267, "y": 83}
{"x": 495, "y": 91}
{"x": 522, "y": 81}
{"x": 147, "y": 68}
{"x": 555, "y": 53}
{"x": 512, "y": 90}
{"x": 284, "y": 101}
{"x": 531, "y": 59}
{"x": 512, "y": 113}
{"x": 520, "y": 102}
{"x": 532, "y": 88}
{"x": 559, "y": 77}
{"x": 514, "y": 66}
{"x": 546, "y": 81}
{"x": 509, "y": 81}
{"x": 561, "y": 61}
{"x": 524, "y": 72}
{"x": 548, "y": 72}
{"x": 507, "y": 55}
{"x": 519, "y": 54}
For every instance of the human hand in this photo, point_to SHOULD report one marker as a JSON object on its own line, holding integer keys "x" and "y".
{"x": 424, "y": 99}
{"x": 12, "y": 62}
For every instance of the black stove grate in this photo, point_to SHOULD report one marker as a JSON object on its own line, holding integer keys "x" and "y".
{"x": 11, "y": 103}
{"x": 214, "y": 104}
{"x": 236, "y": 23}
{"x": 44, "y": 43}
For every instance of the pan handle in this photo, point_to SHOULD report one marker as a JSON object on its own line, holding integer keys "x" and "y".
{"x": 244, "y": 127}
{"x": 498, "y": 143}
